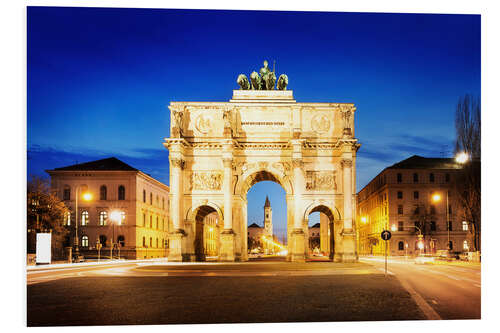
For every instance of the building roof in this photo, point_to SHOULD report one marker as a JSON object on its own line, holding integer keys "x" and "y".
{"x": 254, "y": 225}
{"x": 317, "y": 225}
{"x": 267, "y": 204}
{"x": 419, "y": 162}
{"x": 106, "y": 164}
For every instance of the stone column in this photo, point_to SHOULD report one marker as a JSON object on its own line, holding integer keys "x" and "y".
{"x": 228, "y": 248}
{"x": 177, "y": 234}
{"x": 297, "y": 236}
{"x": 349, "y": 237}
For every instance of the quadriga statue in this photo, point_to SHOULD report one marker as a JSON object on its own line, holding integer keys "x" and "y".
{"x": 282, "y": 82}
{"x": 243, "y": 82}
{"x": 256, "y": 81}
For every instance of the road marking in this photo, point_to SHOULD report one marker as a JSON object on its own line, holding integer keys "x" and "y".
{"x": 383, "y": 270}
{"x": 422, "y": 304}
{"x": 434, "y": 301}
{"x": 477, "y": 285}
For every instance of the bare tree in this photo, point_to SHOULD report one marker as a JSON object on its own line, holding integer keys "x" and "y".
{"x": 468, "y": 180}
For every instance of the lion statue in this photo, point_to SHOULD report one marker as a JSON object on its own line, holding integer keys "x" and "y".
{"x": 282, "y": 82}
{"x": 243, "y": 82}
{"x": 256, "y": 81}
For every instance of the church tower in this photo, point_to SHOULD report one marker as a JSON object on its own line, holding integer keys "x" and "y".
{"x": 268, "y": 218}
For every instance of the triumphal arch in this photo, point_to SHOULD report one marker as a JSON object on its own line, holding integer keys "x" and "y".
{"x": 218, "y": 150}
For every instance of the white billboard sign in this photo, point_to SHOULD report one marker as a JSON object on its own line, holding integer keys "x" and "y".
{"x": 43, "y": 248}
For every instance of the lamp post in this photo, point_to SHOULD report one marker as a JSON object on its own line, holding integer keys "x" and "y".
{"x": 115, "y": 217}
{"x": 87, "y": 197}
{"x": 436, "y": 198}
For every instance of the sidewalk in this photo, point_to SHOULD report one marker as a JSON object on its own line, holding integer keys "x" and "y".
{"x": 92, "y": 263}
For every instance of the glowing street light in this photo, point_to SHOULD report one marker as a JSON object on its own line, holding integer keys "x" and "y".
{"x": 115, "y": 217}
{"x": 363, "y": 219}
{"x": 436, "y": 197}
{"x": 420, "y": 245}
{"x": 393, "y": 227}
{"x": 462, "y": 157}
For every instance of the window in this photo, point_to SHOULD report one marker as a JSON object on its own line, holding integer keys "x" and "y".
{"x": 150, "y": 241}
{"x": 465, "y": 226}
{"x": 417, "y": 210}
{"x": 157, "y": 222}
{"x": 450, "y": 245}
{"x": 85, "y": 217}
{"x": 267, "y": 216}
{"x": 66, "y": 192}
{"x": 450, "y": 226}
{"x": 415, "y": 177}
{"x": 151, "y": 221}
{"x": 415, "y": 194}
{"x": 85, "y": 241}
{"x": 163, "y": 224}
{"x": 122, "y": 219}
{"x": 121, "y": 240}
{"x": 162, "y": 203}
{"x": 400, "y": 209}
{"x": 431, "y": 177}
{"x": 102, "y": 240}
{"x": 162, "y": 243}
{"x": 447, "y": 177}
{"x": 103, "y": 217}
{"x": 401, "y": 246}
{"x": 143, "y": 195}
{"x": 144, "y": 219}
{"x": 157, "y": 243}
{"x": 433, "y": 225}
{"x": 103, "y": 192}
{"x": 151, "y": 198}
{"x": 399, "y": 178}
{"x": 400, "y": 194}
{"x": 121, "y": 192}
{"x": 449, "y": 209}
{"x": 67, "y": 218}
{"x": 466, "y": 246}
{"x": 433, "y": 209}
{"x": 157, "y": 201}
{"x": 401, "y": 226}
{"x": 143, "y": 241}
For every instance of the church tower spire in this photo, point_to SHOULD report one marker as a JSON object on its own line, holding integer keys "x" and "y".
{"x": 268, "y": 218}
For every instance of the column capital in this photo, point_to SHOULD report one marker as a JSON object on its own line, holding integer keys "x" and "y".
{"x": 346, "y": 163}
{"x": 177, "y": 163}
{"x": 228, "y": 162}
{"x": 297, "y": 163}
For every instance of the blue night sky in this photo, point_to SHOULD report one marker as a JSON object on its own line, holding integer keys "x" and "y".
{"x": 99, "y": 80}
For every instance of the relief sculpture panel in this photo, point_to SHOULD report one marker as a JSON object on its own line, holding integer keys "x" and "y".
{"x": 205, "y": 181}
{"x": 321, "y": 180}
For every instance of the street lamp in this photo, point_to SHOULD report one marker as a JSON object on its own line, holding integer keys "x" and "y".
{"x": 436, "y": 198}
{"x": 87, "y": 196}
{"x": 462, "y": 157}
{"x": 115, "y": 217}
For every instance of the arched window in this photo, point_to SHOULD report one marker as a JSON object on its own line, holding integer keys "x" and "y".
{"x": 151, "y": 198}
{"x": 431, "y": 177}
{"x": 143, "y": 219}
{"x": 157, "y": 201}
{"x": 102, "y": 240}
{"x": 121, "y": 192}
{"x": 466, "y": 246}
{"x": 415, "y": 177}
{"x": 143, "y": 195}
{"x": 157, "y": 222}
{"x": 103, "y": 217}
{"x": 67, "y": 192}
{"x": 85, "y": 217}
{"x": 103, "y": 192}
{"x": 163, "y": 224}
{"x": 150, "y": 241}
{"x": 151, "y": 221}
{"x": 67, "y": 218}
{"x": 121, "y": 240}
{"x": 162, "y": 243}
{"x": 122, "y": 218}
{"x": 85, "y": 241}
{"x": 465, "y": 226}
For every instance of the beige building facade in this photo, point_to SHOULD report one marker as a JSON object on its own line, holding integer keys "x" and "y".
{"x": 127, "y": 210}
{"x": 219, "y": 150}
{"x": 410, "y": 199}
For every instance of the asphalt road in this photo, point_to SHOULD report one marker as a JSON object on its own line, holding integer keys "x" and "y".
{"x": 453, "y": 291}
{"x": 168, "y": 293}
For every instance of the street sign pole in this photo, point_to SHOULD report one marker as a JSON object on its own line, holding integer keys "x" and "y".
{"x": 386, "y": 258}
{"x": 385, "y": 235}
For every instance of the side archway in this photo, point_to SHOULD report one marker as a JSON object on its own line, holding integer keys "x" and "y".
{"x": 329, "y": 227}
{"x": 204, "y": 228}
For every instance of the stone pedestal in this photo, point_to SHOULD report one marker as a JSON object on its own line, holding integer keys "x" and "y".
{"x": 175, "y": 246}
{"x": 297, "y": 249}
{"x": 227, "y": 245}
{"x": 349, "y": 253}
